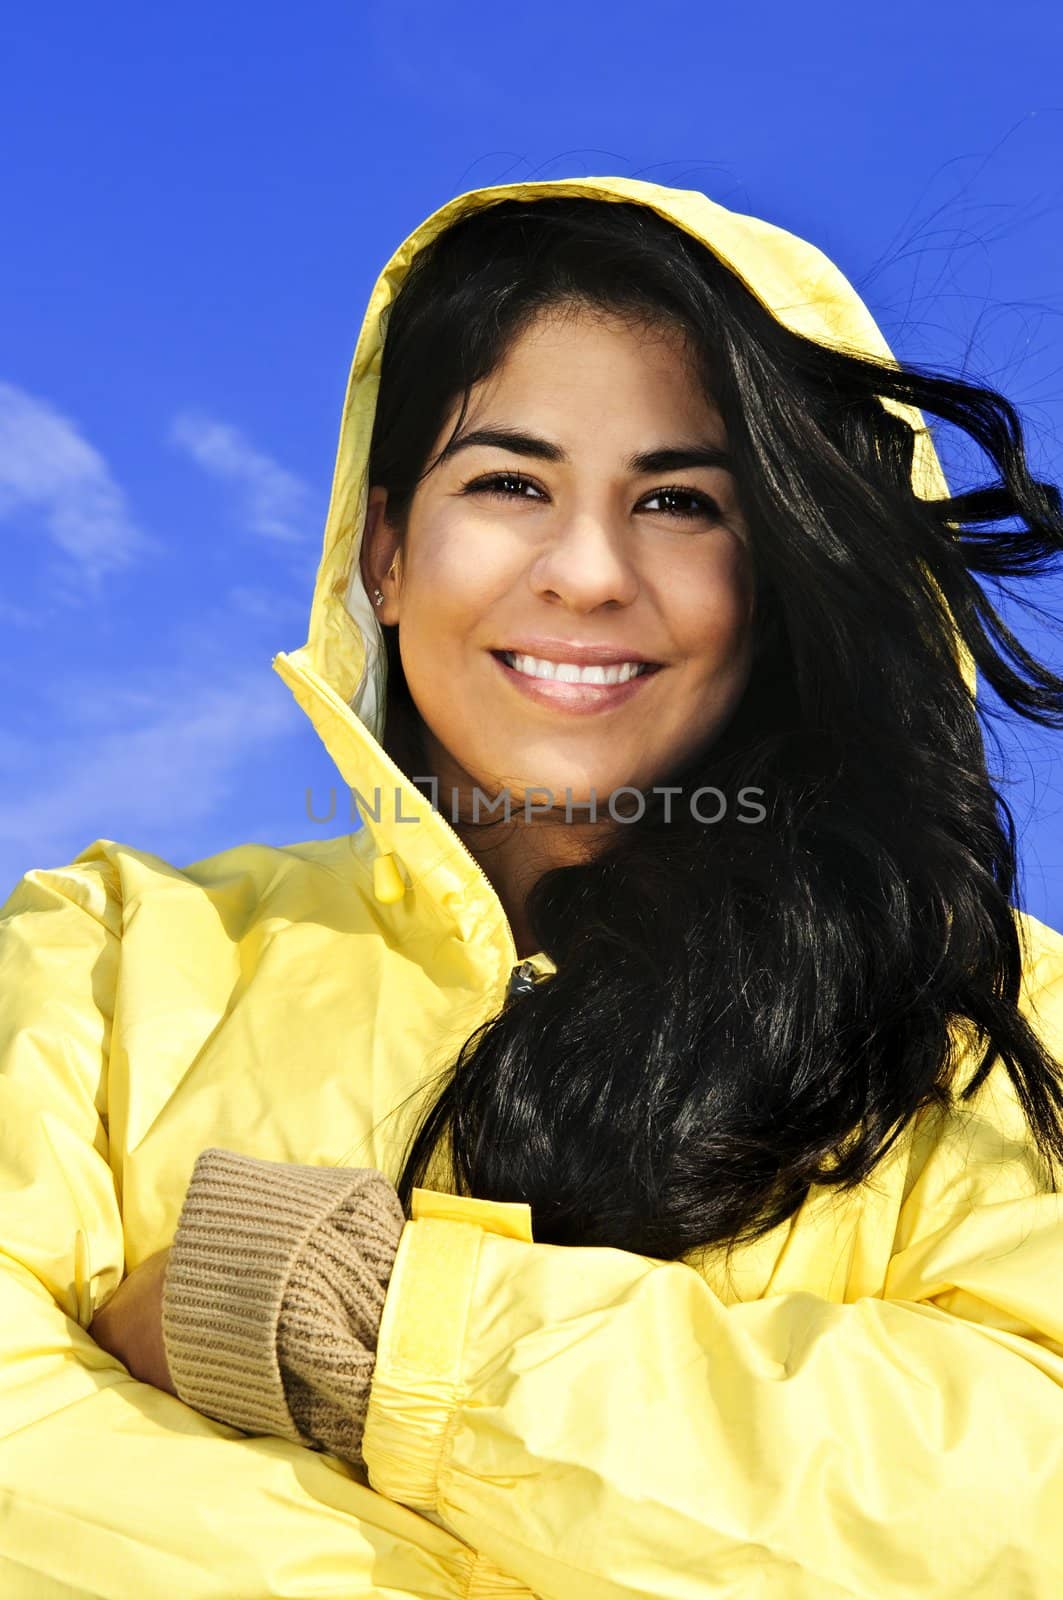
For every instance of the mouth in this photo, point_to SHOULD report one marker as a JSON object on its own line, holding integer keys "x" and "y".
{"x": 601, "y": 675}
{"x": 564, "y": 686}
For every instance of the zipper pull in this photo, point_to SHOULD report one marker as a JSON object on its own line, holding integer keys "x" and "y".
{"x": 522, "y": 980}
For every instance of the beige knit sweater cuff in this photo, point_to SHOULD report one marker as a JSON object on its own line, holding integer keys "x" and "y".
{"x": 274, "y": 1291}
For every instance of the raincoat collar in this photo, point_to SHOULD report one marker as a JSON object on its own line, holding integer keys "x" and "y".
{"x": 339, "y": 676}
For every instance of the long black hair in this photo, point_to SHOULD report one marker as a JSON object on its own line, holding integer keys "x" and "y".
{"x": 812, "y": 981}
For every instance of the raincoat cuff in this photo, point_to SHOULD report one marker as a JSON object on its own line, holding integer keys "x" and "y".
{"x": 417, "y": 1386}
{"x": 242, "y": 1229}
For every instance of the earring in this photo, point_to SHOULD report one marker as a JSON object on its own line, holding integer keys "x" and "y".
{"x": 378, "y": 598}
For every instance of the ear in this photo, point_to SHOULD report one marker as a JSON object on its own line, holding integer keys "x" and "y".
{"x": 381, "y": 556}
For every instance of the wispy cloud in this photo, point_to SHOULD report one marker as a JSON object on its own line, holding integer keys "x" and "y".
{"x": 50, "y": 470}
{"x": 272, "y": 501}
{"x": 169, "y": 761}
{"x": 12, "y": 616}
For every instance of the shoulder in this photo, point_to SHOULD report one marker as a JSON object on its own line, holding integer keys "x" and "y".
{"x": 980, "y": 1150}
{"x": 109, "y": 881}
{"x": 1041, "y": 999}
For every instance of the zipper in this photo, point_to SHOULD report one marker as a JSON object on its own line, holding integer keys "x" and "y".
{"x": 522, "y": 973}
{"x": 484, "y": 879}
{"x": 482, "y": 875}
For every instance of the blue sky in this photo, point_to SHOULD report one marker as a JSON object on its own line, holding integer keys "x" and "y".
{"x": 196, "y": 203}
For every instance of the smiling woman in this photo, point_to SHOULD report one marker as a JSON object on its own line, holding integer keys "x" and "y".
{"x": 786, "y": 580}
{"x": 654, "y": 1205}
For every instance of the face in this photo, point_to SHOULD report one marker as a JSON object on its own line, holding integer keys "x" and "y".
{"x": 561, "y": 540}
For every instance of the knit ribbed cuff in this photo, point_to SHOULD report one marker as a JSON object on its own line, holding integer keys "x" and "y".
{"x": 242, "y": 1229}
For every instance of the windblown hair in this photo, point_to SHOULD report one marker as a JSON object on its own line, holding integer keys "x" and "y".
{"x": 811, "y": 980}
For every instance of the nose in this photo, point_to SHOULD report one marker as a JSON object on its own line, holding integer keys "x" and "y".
{"x": 586, "y": 564}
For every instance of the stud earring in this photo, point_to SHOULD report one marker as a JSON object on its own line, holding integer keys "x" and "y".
{"x": 378, "y": 598}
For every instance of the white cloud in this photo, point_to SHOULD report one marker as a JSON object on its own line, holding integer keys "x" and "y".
{"x": 48, "y": 467}
{"x": 168, "y": 761}
{"x": 273, "y": 501}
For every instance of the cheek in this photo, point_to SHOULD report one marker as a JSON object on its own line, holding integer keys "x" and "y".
{"x": 455, "y": 577}
{"x": 449, "y": 583}
{"x": 711, "y": 608}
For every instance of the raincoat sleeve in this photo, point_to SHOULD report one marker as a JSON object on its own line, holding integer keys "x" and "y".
{"x": 110, "y": 1488}
{"x": 602, "y": 1425}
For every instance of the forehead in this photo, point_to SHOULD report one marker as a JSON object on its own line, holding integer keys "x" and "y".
{"x": 605, "y": 366}
{"x": 572, "y": 331}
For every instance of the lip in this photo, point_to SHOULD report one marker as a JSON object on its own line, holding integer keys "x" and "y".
{"x": 580, "y": 655}
{"x": 575, "y": 697}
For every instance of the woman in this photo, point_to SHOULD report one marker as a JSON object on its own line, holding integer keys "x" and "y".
{"x": 727, "y": 1260}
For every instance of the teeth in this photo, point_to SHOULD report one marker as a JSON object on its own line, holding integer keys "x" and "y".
{"x": 569, "y": 672}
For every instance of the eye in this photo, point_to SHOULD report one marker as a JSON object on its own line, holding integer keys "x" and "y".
{"x": 508, "y": 485}
{"x": 697, "y": 504}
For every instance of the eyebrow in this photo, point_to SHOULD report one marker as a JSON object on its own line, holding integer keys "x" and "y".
{"x": 667, "y": 458}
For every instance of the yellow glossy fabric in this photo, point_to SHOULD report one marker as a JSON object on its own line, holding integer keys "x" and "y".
{"x": 868, "y": 1402}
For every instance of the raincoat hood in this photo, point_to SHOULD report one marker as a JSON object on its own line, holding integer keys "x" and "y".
{"x": 339, "y": 676}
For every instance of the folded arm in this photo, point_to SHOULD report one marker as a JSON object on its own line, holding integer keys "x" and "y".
{"x": 111, "y": 1488}
{"x": 601, "y": 1424}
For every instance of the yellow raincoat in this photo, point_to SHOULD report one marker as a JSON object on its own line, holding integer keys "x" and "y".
{"x": 869, "y": 1403}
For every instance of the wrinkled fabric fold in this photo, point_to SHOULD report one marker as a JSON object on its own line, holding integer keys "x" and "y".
{"x": 600, "y": 1423}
